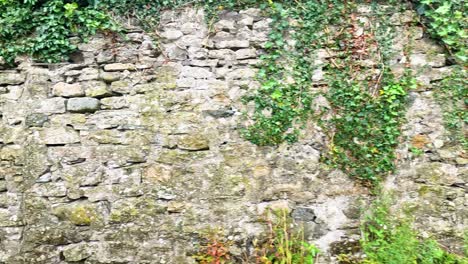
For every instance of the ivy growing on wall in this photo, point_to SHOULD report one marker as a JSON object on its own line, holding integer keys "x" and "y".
{"x": 42, "y": 29}
{"x": 447, "y": 20}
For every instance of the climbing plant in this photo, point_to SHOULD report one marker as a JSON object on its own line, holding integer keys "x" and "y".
{"x": 448, "y": 21}
{"x": 42, "y": 29}
{"x": 287, "y": 70}
{"x": 367, "y": 103}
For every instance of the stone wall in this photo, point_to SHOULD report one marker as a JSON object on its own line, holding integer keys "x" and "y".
{"x": 129, "y": 153}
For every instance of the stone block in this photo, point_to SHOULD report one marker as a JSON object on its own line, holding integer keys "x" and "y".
{"x": 119, "y": 67}
{"x": 10, "y": 78}
{"x": 83, "y": 105}
{"x": 68, "y": 90}
{"x": 59, "y": 136}
{"x": 96, "y": 89}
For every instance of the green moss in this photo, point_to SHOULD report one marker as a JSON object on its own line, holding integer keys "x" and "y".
{"x": 429, "y": 191}
{"x": 136, "y": 210}
{"x": 124, "y": 215}
{"x": 82, "y": 215}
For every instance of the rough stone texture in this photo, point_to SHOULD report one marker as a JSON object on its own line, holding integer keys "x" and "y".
{"x": 83, "y": 105}
{"x": 68, "y": 90}
{"x": 153, "y": 157}
{"x": 432, "y": 186}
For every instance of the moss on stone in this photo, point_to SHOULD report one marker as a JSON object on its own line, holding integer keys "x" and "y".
{"x": 82, "y": 216}
{"x": 136, "y": 209}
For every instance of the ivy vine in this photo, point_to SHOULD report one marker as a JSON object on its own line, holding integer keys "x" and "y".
{"x": 42, "y": 29}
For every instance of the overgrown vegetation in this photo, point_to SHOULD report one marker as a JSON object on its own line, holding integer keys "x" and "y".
{"x": 287, "y": 71}
{"x": 284, "y": 244}
{"x": 390, "y": 240}
{"x": 215, "y": 251}
{"x": 367, "y": 112}
{"x": 42, "y": 29}
{"x": 367, "y": 102}
{"x": 447, "y": 20}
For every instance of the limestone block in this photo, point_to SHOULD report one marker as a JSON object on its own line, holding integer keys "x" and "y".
{"x": 172, "y": 34}
{"x": 88, "y": 74}
{"x": 50, "y": 106}
{"x": 119, "y": 67}
{"x": 9, "y": 78}
{"x": 196, "y": 72}
{"x": 223, "y": 44}
{"x": 77, "y": 252}
{"x": 59, "y": 136}
{"x": 49, "y": 189}
{"x": 83, "y": 105}
{"x": 193, "y": 142}
{"x": 121, "y": 87}
{"x": 68, "y": 90}
{"x": 246, "y": 54}
{"x": 418, "y": 60}
{"x": 110, "y": 77}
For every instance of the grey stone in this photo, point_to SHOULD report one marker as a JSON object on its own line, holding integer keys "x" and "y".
{"x": 304, "y": 214}
{"x": 96, "y": 89}
{"x": 51, "y": 106}
{"x": 50, "y": 189}
{"x": 196, "y": 72}
{"x": 14, "y": 92}
{"x": 10, "y": 78}
{"x": 437, "y": 60}
{"x": 119, "y": 67}
{"x": 59, "y": 136}
{"x": 88, "y": 74}
{"x": 109, "y": 77}
{"x": 219, "y": 113}
{"x": 76, "y": 253}
{"x": 232, "y": 44}
{"x": 246, "y": 54}
{"x": 172, "y": 34}
{"x": 121, "y": 87}
{"x": 83, "y": 105}
{"x": 68, "y": 90}
{"x": 36, "y": 120}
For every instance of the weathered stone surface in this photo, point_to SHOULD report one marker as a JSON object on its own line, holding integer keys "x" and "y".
{"x": 232, "y": 44}
{"x": 114, "y": 119}
{"x": 9, "y": 78}
{"x": 121, "y": 87}
{"x": 68, "y": 90}
{"x": 109, "y": 77}
{"x": 59, "y": 136}
{"x": 36, "y": 120}
{"x": 172, "y": 34}
{"x": 83, "y": 105}
{"x": 119, "y": 67}
{"x": 51, "y": 106}
{"x": 96, "y": 89}
{"x": 437, "y": 60}
{"x": 154, "y": 155}
{"x": 193, "y": 142}
{"x": 77, "y": 252}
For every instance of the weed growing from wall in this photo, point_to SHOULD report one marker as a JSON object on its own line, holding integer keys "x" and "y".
{"x": 391, "y": 240}
{"x": 285, "y": 243}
